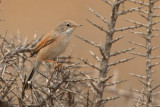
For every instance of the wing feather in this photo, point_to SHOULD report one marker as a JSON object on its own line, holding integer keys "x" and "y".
{"x": 49, "y": 38}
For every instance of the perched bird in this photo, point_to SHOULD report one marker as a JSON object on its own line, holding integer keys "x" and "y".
{"x": 52, "y": 45}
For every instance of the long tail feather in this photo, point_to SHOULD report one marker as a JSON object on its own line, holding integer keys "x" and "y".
{"x": 26, "y": 85}
{"x": 31, "y": 74}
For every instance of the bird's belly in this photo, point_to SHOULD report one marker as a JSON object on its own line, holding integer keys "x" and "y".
{"x": 52, "y": 51}
{"x": 56, "y": 51}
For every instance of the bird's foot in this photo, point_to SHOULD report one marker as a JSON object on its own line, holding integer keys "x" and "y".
{"x": 59, "y": 66}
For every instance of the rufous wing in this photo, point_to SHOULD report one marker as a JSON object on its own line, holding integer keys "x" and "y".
{"x": 49, "y": 38}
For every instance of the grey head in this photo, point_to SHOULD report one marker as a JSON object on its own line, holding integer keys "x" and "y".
{"x": 66, "y": 27}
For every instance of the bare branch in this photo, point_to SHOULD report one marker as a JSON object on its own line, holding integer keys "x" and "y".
{"x": 129, "y": 10}
{"x": 95, "y": 56}
{"x": 97, "y": 26}
{"x": 115, "y": 83}
{"x": 122, "y": 51}
{"x": 139, "y": 2}
{"x": 108, "y": 2}
{"x": 116, "y": 39}
{"x": 89, "y": 42}
{"x": 138, "y": 44}
{"x": 138, "y": 54}
{"x": 120, "y": 61}
{"x": 137, "y": 23}
{"x": 127, "y": 28}
{"x": 139, "y": 76}
{"x": 91, "y": 65}
{"x": 154, "y": 88}
{"x": 98, "y": 15}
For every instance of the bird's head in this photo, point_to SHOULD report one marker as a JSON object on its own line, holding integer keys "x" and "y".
{"x": 66, "y": 27}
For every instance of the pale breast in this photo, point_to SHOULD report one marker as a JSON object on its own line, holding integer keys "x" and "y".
{"x": 54, "y": 49}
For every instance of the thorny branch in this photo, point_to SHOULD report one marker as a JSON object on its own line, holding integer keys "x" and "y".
{"x": 58, "y": 87}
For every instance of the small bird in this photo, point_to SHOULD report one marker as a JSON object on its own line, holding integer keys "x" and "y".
{"x": 52, "y": 45}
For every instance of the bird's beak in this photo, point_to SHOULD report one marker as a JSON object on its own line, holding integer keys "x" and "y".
{"x": 76, "y": 25}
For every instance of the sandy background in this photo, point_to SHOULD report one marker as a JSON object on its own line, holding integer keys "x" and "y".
{"x": 30, "y": 16}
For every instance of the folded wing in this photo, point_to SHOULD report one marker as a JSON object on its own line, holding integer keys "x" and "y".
{"x": 49, "y": 38}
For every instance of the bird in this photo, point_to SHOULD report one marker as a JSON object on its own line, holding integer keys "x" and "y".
{"x": 52, "y": 45}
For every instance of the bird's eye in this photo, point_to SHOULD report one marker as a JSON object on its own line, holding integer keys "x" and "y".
{"x": 68, "y": 25}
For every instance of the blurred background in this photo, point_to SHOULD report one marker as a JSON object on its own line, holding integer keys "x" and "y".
{"x": 40, "y": 16}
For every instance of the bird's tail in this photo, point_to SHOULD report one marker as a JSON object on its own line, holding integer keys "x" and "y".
{"x": 31, "y": 74}
{"x": 26, "y": 84}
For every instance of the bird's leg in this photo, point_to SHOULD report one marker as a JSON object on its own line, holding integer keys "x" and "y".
{"x": 57, "y": 66}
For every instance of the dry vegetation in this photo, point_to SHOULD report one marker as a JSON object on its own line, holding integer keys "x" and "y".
{"x": 72, "y": 87}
